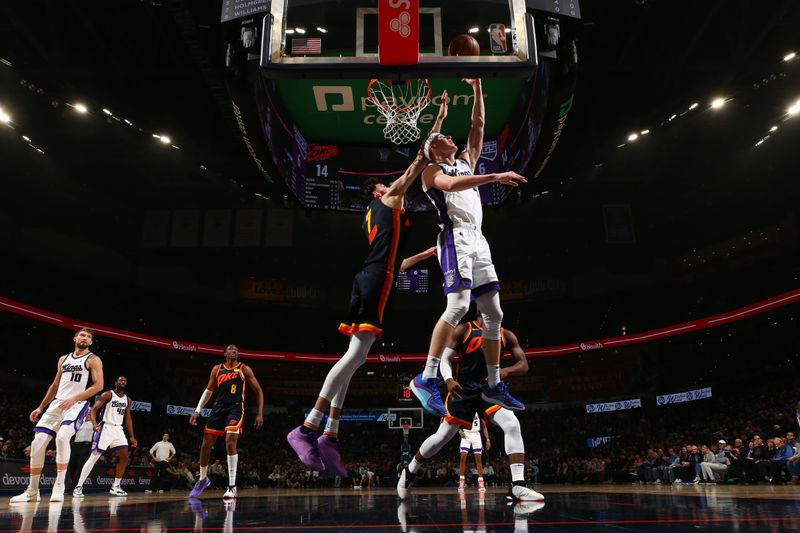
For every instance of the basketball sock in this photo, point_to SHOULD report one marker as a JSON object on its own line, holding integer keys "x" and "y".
{"x": 117, "y": 482}
{"x": 35, "y": 481}
{"x": 494, "y": 375}
{"x": 332, "y": 427}
{"x": 414, "y": 465}
{"x": 517, "y": 472}
{"x": 203, "y": 472}
{"x": 87, "y": 467}
{"x": 461, "y": 477}
{"x": 61, "y": 476}
{"x": 233, "y": 461}
{"x": 313, "y": 420}
{"x": 431, "y": 367}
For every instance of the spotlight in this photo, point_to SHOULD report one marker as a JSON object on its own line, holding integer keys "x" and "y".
{"x": 773, "y": 128}
{"x": 301, "y": 31}
{"x": 321, "y": 30}
{"x": 644, "y": 132}
{"x": 794, "y": 108}
{"x": 106, "y": 111}
{"x": 789, "y": 56}
{"x": 633, "y": 136}
{"x": 693, "y": 106}
{"x": 717, "y": 103}
{"x": 164, "y": 139}
{"x": 289, "y": 31}
{"x": 80, "y": 108}
{"x": 5, "y": 118}
{"x": 26, "y": 138}
{"x": 474, "y": 29}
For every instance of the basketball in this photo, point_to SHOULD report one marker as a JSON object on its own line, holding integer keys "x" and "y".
{"x": 464, "y": 45}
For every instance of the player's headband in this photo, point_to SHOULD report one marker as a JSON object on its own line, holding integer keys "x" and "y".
{"x": 428, "y": 142}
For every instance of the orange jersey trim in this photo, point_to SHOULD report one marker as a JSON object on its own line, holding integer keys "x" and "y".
{"x": 237, "y": 427}
{"x": 216, "y": 432}
{"x": 450, "y": 418}
{"x": 389, "y": 281}
{"x": 349, "y": 329}
{"x": 490, "y": 411}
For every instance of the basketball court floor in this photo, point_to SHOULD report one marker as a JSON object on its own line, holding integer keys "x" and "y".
{"x": 567, "y": 508}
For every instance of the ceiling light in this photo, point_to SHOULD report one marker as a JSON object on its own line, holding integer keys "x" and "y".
{"x": 717, "y": 103}
{"x": 25, "y": 137}
{"x": 300, "y": 30}
{"x": 773, "y": 128}
{"x": 644, "y": 132}
{"x": 474, "y": 29}
{"x": 794, "y": 108}
{"x": 673, "y": 117}
{"x": 290, "y": 31}
{"x": 693, "y": 106}
{"x": 789, "y": 56}
{"x": 164, "y": 139}
{"x": 322, "y": 30}
{"x": 633, "y": 136}
{"x": 80, "y": 108}
{"x": 5, "y": 118}
{"x": 106, "y": 111}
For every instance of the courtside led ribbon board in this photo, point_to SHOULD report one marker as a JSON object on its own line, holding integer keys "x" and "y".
{"x": 608, "y": 407}
{"x": 680, "y": 397}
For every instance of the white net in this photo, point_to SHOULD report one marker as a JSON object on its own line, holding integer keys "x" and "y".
{"x": 400, "y": 103}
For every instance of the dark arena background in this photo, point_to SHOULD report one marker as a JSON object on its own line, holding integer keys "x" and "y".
{"x": 180, "y": 175}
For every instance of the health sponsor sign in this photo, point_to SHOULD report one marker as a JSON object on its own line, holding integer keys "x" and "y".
{"x": 608, "y": 407}
{"x": 680, "y": 397}
{"x": 182, "y": 410}
{"x": 15, "y": 475}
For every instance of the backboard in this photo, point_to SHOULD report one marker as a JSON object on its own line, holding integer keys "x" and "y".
{"x": 380, "y": 39}
{"x": 397, "y": 416}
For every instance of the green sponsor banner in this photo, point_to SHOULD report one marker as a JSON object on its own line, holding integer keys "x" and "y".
{"x": 339, "y": 111}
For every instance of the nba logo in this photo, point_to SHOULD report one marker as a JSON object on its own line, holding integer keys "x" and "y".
{"x": 497, "y": 38}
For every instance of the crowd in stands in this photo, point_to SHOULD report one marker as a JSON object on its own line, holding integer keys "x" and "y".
{"x": 728, "y": 438}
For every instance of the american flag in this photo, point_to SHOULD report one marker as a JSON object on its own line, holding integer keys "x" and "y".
{"x": 312, "y": 45}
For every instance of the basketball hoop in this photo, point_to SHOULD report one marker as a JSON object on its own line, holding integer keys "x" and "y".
{"x": 406, "y": 428}
{"x": 400, "y": 103}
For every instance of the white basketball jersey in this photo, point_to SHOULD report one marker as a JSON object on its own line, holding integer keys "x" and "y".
{"x": 457, "y": 208}
{"x": 114, "y": 409}
{"x": 476, "y": 424}
{"x": 74, "y": 376}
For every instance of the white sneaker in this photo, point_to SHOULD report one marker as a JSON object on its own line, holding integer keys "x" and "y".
{"x": 461, "y": 486}
{"x": 30, "y": 495}
{"x": 230, "y": 494}
{"x": 677, "y": 481}
{"x": 481, "y": 486}
{"x": 404, "y": 483}
{"x": 524, "y": 494}
{"x": 77, "y": 492}
{"x": 117, "y": 491}
{"x": 58, "y": 493}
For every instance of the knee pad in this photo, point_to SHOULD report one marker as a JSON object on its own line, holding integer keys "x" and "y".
{"x": 63, "y": 450}
{"x": 507, "y": 421}
{"x": 489, "y": 305}
{"x": 39, "y": 449}
{"x": 457, "y": 307}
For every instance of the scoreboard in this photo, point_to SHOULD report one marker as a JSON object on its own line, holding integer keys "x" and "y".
{"x": 404, "y": 394}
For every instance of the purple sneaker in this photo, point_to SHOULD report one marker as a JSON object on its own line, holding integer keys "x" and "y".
{"x": 305, "y": 446}
{"x": 499, "y": 395}
{"x": 331, "y": 456}
{"x": 427, "y": 392}
{"x": 200, "y": 486}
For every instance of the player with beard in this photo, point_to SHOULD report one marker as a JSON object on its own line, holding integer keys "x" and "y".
{"x": 109, "y": 436}
{"x": 61, "y": 413}
{"x": 229, "y": 379}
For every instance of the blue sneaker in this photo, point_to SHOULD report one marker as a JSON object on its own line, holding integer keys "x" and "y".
{"x": 427, "y": 392}
{"x": 200, "y": 486}
{"x": 499, "y": 395}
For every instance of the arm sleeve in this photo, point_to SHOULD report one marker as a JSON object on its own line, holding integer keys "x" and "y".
{"x": 445, "y": 367}
{"x": 203, "y": 400}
